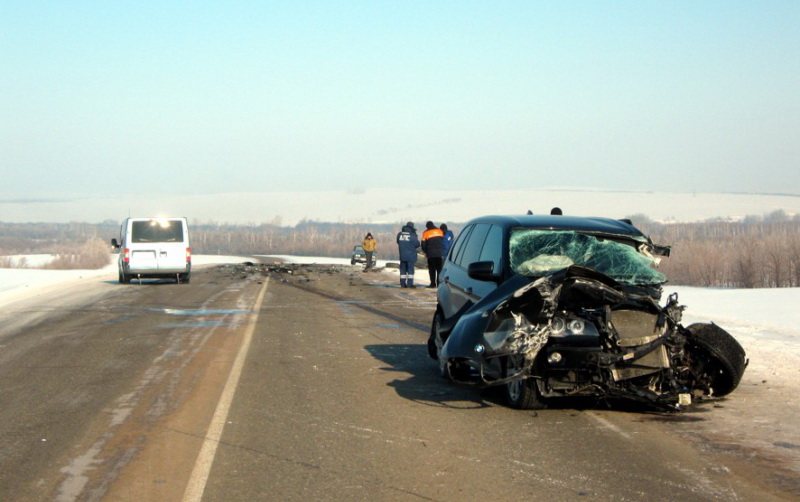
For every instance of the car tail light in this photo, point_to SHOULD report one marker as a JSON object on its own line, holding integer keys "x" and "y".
{"x": 188, "y": 255}
{"x": 126, "y": 257}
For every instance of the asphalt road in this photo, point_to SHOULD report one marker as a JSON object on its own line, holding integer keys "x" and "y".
{"x": 311, "y": 383}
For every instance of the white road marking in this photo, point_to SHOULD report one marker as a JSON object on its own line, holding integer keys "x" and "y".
{"x": 202, "y": 467}
{"x": 609, "y": 425}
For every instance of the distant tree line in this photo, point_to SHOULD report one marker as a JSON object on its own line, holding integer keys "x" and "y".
{"x": 757, "y": 252}
{"x": 51, "y": 238}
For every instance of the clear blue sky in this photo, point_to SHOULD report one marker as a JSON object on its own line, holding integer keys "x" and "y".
{"x": 108, "y": 98}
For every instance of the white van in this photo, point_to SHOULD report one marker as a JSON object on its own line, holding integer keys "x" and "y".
{"x": 154, "y": 248}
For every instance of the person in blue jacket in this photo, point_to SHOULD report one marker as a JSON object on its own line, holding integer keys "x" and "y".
{"x": 447, "y": 240}
{"x": 407, "y": 244}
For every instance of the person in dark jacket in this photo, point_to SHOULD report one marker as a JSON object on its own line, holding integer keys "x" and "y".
{"x": 432, "y": 239}
{"x": 447, "y": 240}
{"x": 407, "y": 244}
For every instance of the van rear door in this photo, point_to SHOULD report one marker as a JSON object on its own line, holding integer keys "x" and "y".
{"x": 159, "y": 245}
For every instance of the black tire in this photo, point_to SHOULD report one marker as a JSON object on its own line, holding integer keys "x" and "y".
{"x": 724, "y": 357}
{"x": 124, "y": 278}
{"x": 435, "y": 323}
{"x": 436, "y": 342}
{"x": 523, "y": 393}
{"x": 184, "y": 279}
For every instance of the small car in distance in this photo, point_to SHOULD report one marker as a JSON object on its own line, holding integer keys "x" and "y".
{"x": 358, "y": 255}
{"x": 558, "y": 306}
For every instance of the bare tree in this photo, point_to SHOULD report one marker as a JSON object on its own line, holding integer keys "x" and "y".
{"x": 775, "y": 262}
{"x": 745, "y": 265}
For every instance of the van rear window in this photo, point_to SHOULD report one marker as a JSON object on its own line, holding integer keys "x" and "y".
{"x": 157, "y": 231}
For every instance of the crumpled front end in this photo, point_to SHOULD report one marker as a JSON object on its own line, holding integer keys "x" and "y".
{"x": 579, "y": 333}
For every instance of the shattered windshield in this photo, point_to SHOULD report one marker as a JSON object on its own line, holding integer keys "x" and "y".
{"x": 540, "y": 252}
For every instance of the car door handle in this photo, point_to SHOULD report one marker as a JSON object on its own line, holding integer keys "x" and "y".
{"x": 446, "y": 280}
{"x": 469, "y": 291}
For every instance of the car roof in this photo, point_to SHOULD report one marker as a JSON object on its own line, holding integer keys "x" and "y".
{"x": 589, "y": 224}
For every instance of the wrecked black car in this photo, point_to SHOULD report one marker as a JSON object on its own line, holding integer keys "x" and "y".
{"x": 559, "y": 306}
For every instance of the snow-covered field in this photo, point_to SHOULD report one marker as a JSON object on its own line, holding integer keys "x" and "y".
{"x": 400, "y": 205}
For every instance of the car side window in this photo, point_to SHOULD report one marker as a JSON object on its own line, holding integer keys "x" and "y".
{"x": 458, "y": 245}
{"x": 493, "y": 248}
{"x": 473, "y": 247}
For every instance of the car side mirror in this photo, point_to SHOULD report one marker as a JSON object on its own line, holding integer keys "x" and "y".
{"x": 661, "y": 250}
{"x": 115, "y": 243}
{"x": 483, "y": 271}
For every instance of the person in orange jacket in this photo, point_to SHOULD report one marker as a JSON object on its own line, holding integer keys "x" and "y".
{"x": 432, "y": 239}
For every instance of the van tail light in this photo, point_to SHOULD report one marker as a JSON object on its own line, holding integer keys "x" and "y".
{"x": 188, "y": 255}
{"x": 126, "y": 257}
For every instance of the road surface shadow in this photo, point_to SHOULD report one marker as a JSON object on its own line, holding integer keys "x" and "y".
{"x": 418, "y": 379}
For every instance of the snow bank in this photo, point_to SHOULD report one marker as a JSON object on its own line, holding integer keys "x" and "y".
{"x": 18, "y": 283}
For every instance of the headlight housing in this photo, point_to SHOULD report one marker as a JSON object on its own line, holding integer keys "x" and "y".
{"x": 565, "y": 326}
{"x": 576, "y": 326}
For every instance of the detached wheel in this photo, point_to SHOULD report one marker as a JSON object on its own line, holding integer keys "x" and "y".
{"x": 521, "y": 394}
{"x": 720, "y": 360}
